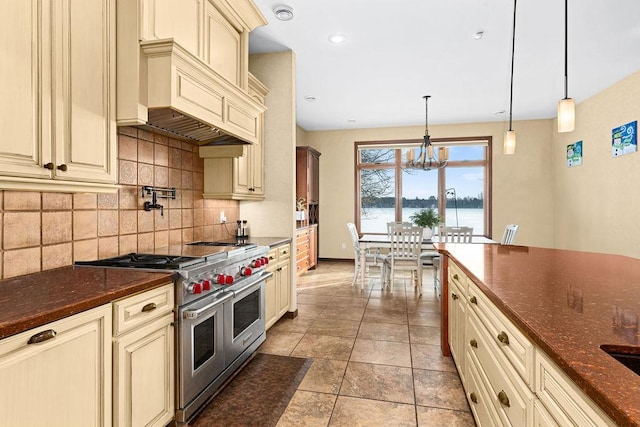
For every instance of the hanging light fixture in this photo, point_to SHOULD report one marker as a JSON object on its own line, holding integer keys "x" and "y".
{"x": 429, "y": 157}
{"x": 510, "y": 136}
{"x": 566, "y": 106}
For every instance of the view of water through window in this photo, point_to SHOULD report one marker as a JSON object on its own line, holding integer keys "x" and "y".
{"x": 375, "y": 220}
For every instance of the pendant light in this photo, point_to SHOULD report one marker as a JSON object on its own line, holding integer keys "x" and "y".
{"x": 566, "y": 106}
{"x": 429, "y": 157}
{"x": 509, "y": 146}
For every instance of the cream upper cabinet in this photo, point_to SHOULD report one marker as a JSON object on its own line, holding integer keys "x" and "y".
{"x": 58, "y": 374}
{"x": 59, "y": 114}
{"x": 183, "y": 68}
{"x": 241, "y": 177}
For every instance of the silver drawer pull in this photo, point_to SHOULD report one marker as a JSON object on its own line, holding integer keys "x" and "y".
{"x": 503, "y": 338}
{"x": 149, "y": 307}
{"x": 244, "y": 341}
{"x": 473, "y": 397}
{"x": 473, "y": 300}
{"x": 42, "y": 336}
{"x": 503, "y": 398}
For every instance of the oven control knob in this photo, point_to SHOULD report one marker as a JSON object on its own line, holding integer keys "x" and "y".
{"x": 195, "y": 288}
{"x": 206, "y": 285}
{"x": 228, "y": 280}
{"x": 219, "y": 278}
{"x": 245, "y": 271}
{"x": 265, "y": 260}
{"x": 256, "y": 263}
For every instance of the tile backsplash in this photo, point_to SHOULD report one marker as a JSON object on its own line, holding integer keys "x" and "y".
{"x": 41, "y": 231}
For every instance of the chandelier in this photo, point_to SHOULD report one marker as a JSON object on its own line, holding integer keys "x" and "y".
{"x": 429, "y": 157}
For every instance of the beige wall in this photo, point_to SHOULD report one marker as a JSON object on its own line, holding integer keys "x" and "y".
{"x": 596, "y": 205}
{"x": 521, "y": 183}
{"x": 274, "y": 217}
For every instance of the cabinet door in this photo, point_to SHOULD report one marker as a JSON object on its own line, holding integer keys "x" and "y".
{"x": 143, "y": 375}
{"x": 84, "y": 84}
{"x": 257, "y": 168}
{"x": 63, "y": 381}
{"x": 224, "y": 44}
{"x": 25, "y": 111}
{"x": 314, "y": 178}
{"x": 242, "y": 172}
{"x": 271, "y": 300}
{"x": 285, "y": 288}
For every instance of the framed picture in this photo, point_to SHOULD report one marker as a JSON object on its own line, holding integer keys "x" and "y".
{"x": 624, "y": 139}
{"x": 574, "y": 154}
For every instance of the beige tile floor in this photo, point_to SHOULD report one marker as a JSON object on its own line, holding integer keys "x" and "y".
{"x": 376, "y": 354}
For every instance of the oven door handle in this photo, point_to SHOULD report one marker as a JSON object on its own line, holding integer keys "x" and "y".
{"x": 259, "y": 278}
{"x": 193, "y": 314}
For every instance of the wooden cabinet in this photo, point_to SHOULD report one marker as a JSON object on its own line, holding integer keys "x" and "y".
{"x": 278, "y": 286}
{"x": 507, "y": 379}
{"x": 59, "y": 116}
{"x": 306, "y": 248}
{"x": 241, "y": 177}
{"x": 143, "y": 359}
{"x": 58, "y": 374}
{"x": 308, "y": 181}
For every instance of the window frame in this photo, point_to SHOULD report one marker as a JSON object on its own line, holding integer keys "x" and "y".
{"x": 397, "y": 165}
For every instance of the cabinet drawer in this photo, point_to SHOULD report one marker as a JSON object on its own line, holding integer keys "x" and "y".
{"x": 272, "y": 255}
{"x": 479, "y": 400}
{"x": 563, "y": 399}
{"x": 513, "y": 344}
{"x": 510, "y": 396}
{"x": 136, "y": 310}
{"x": 284, "y": 251}
{"x": 302, "y": 264}
{"x": 458, "y": 277}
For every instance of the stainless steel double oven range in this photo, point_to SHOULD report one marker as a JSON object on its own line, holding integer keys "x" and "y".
{"x": 220, "y": 313}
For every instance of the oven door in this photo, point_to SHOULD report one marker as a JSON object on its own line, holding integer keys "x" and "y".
{"x": 245, "y": 318}
{"x": 201, "y": 341}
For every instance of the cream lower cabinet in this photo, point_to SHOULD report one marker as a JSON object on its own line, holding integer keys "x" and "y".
{"x": 58, "y": 374}
{"x": 278, "y": 287}
{"x": 143, "y": 359}
{"x": 58, "y": 121}
{"x": 507, "y": 379}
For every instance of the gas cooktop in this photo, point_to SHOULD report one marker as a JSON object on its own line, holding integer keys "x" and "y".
{"x": 141, "y": 260}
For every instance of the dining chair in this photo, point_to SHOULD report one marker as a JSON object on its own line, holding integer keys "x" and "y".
{"x": 371, "y": 256}
{"x": 449, "y": 235}
{"x": 404, "y": 254}
{"x": 509, "y": 235}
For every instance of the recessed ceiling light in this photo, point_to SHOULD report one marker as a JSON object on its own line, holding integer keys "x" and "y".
{"x": 351, "y": 120}
{"x": 497, "y": 113}
{"x": 478, "y": 35}
{"x": 283, "y": 12}
{"x": 309, "y": 98}
{"x": 337, "y": 38}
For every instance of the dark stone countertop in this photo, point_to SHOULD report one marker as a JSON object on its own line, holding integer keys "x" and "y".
{"x": 568, "y": 303}
{"x": 37, "y": 299}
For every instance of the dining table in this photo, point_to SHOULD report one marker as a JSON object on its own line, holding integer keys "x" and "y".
{"x": 382, "y": 241}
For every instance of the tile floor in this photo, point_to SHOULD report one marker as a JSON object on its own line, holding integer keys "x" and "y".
{"x": 376, "y": 354}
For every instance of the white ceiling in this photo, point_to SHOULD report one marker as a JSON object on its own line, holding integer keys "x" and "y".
{"x": 396, "y": 51}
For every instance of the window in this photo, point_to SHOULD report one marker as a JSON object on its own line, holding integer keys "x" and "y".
{"x": 387, "y": 190}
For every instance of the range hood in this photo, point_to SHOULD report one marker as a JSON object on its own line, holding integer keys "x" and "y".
{"x": 175, "y": 124}
{"x": 186, "y": 99}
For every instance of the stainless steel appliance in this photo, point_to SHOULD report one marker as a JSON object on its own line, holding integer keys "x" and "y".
{"x": 219, "y": 308}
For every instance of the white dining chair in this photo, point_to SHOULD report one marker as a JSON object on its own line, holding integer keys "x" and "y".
{"x": 404, "y": 254}
{"x": 449, "y": 235}
{"x": 509, "y": 235}
{"x": 371, "y": 256}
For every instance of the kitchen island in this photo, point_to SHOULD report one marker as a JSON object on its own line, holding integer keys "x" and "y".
{"x": 568, "y": 304}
